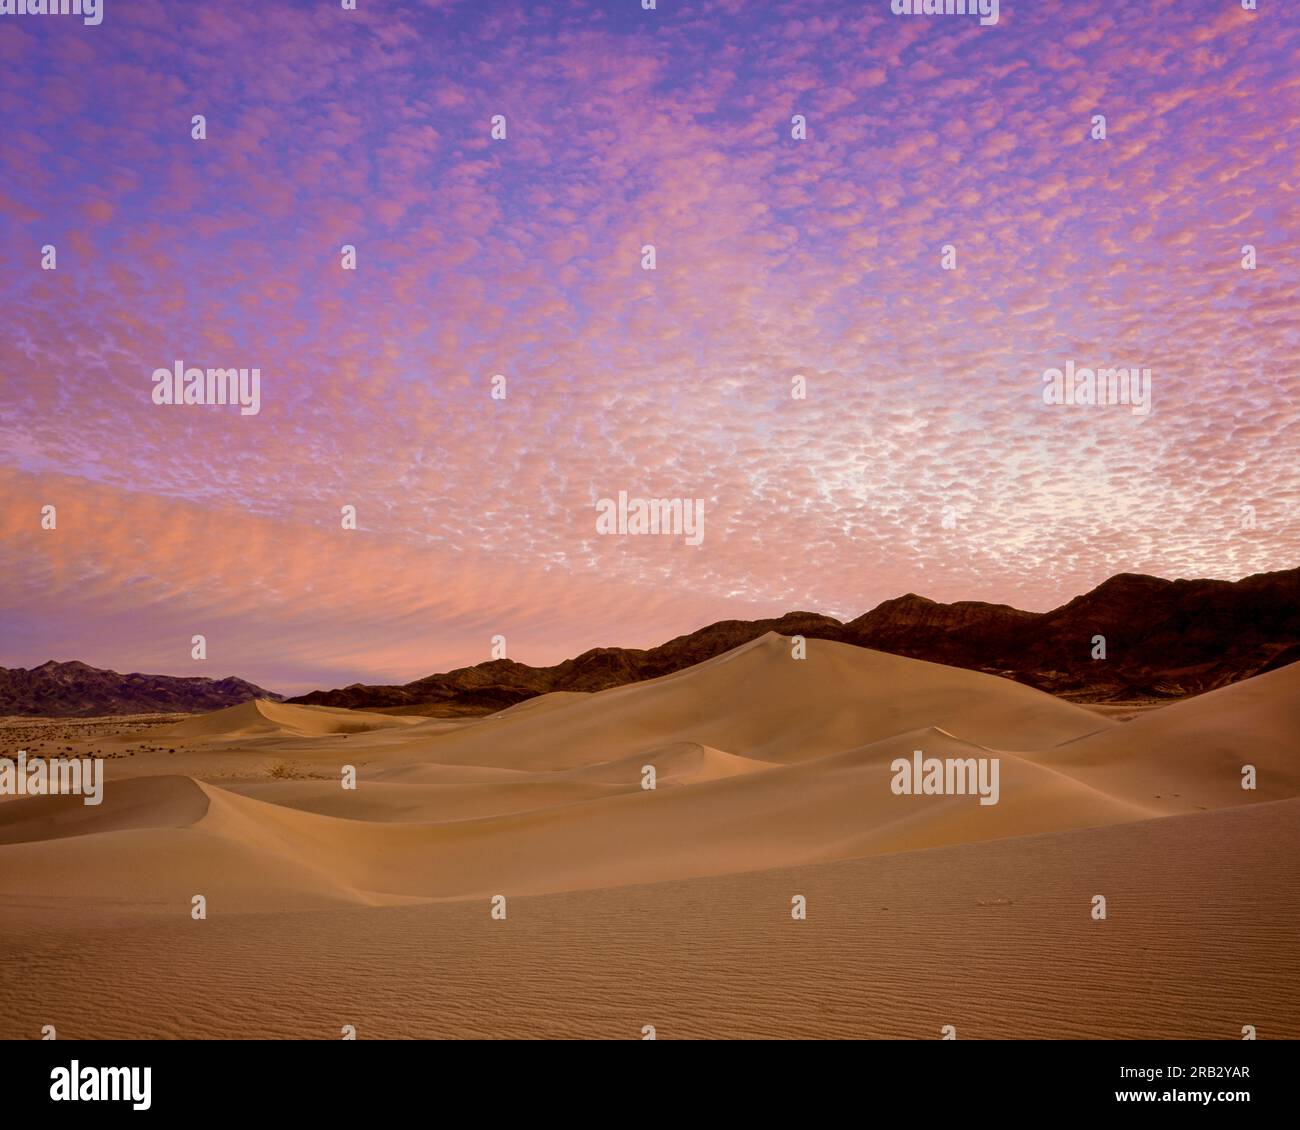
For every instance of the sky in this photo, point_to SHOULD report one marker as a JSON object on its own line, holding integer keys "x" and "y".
{"x": 922, "y": 456}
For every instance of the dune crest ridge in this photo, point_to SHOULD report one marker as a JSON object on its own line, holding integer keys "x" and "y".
{"x": 760, "y": 761}
{"x": 771, "y": 782}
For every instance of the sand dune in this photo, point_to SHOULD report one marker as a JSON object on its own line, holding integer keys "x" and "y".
{"x": 836, "y": 807}
{"x": 426, "y": 792}
{"x": 261, "y": 716}
{"x": 1189, "y": 755}
{"x": 145, "y": 802}
{"x": 536, "y": 834}
{"x": 993, "y": 938}
{"x": 541, "y": 704}
{"x": 410, "y": 802}
{"x": 757, "y": 702}
{"x": 763, "y": 765}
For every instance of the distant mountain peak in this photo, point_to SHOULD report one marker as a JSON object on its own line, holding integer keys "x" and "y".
{"x": 1163, "y": 638}
{"x": 77, "y": 690}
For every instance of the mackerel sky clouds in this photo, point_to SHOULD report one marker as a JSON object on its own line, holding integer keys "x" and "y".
{"x": 775, "y": 257}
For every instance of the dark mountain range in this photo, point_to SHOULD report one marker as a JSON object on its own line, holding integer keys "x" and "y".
{"x": 1163, "y": 639}
{"x": 77, "y": 690}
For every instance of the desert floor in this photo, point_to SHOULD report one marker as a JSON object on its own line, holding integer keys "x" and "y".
{"x": 671, "y": 908}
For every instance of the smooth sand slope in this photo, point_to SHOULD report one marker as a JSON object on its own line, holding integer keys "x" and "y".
{"x": 764, "y": 764}
{"x": 1191, "y": 755}
{"x": 993, "y": 938}
{"x": 756, "y": 701}
{"x": 265, "y": 717}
